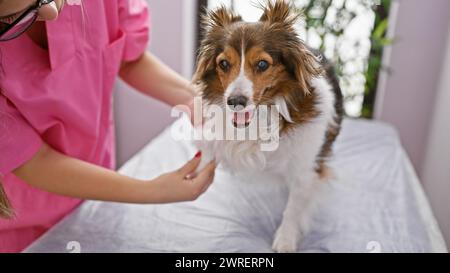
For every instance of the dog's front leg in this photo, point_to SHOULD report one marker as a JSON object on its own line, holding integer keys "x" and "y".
{"x": 297, "y": 214}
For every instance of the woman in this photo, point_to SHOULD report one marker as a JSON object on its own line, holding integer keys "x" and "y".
{"x": 59, "y": 60}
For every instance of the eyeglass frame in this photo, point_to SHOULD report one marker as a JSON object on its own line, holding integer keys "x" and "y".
{"x": 34, "y": 8}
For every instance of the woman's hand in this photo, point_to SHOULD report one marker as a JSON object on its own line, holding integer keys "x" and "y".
{"x": 57, "y": 173}
{"x": 182, "y": 184}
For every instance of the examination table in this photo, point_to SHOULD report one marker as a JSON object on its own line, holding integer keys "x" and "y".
{"x": 375, "y": 203}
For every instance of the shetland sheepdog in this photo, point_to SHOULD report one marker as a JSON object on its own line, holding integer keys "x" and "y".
{"x": 242, "y": 66}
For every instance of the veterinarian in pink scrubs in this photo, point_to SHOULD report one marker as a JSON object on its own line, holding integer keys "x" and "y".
{"x": 56, "y": 116}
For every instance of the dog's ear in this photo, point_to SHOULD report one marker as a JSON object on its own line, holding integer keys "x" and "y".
{"x": 282, "y": 16}
{"x": 304, "y": 65}
{"x": 280, "y": 12}
{"x": 214, "y": 24}
{"x": 219, "y": 18}
{"x": 204, "y": 64}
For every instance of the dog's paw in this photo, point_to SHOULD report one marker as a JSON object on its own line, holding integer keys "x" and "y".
{"x": 286, "y": 240}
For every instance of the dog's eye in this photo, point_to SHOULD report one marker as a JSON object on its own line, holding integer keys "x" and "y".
{"x": 262, "y": 66}
{"x": 224, "y": 65}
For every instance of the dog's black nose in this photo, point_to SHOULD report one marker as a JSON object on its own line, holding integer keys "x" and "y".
{"x": 237, "y": 101}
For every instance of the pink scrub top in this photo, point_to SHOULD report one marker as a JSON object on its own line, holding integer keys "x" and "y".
{"x": 62, "y": 97}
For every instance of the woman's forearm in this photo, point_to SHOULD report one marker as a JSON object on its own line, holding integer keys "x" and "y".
{"x": 152, "y": 77}
{"x": 54, "y": 172}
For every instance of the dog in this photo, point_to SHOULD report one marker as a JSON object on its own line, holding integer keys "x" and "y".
{"x": 241, "y": 66}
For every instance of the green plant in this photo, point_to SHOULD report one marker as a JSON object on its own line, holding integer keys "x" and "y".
{"x": 378, "y": 42}
{"x": 317, "y": 13}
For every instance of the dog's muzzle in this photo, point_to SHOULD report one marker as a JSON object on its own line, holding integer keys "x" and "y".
{"x": 241, "y": 114}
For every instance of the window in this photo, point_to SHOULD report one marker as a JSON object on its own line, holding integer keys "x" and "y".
{"x": 350, "y": 33}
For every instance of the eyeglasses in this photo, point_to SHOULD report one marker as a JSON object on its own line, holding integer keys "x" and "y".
{"x": 22, "y": 23}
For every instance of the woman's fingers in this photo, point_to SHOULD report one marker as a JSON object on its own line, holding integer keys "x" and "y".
{"x": 191, "y": 165}
{"x": 199, "y": 183}
{"x": 205, "y": 177}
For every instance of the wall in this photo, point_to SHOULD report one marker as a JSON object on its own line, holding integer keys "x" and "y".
{"x": 415, "y": 95}
{"x": 139, "y": 118}
{"x": 436, "y": 167}
{"x": 406, "y": 96}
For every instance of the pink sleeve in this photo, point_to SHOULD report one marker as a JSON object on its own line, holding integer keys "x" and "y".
{"x": 18, "y": 140}
{"x": 135, "y": 24}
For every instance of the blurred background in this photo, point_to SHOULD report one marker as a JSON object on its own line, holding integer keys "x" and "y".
{"x": 392, "y": 57}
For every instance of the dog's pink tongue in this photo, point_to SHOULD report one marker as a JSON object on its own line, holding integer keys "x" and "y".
{"x": 241, "y": 118}
{"x": 247, "y": 116}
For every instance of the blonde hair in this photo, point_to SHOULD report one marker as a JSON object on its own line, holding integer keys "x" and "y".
{"x": 5, "y": 206}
